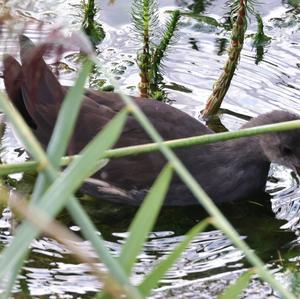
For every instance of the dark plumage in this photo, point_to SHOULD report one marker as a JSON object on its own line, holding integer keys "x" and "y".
{"x": 227, "y": 170}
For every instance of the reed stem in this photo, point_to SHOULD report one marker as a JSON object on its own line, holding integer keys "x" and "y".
{"x": 6, "y": 169}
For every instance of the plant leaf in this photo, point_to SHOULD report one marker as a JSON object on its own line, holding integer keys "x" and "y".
{"x": 68, "y": 113}
{"x": 235, "y": 289}
{"x": 64, "y": 127}
{"x": 144, "y": 220}
{"x": 152, "y": 279}
{"x": 59, "y": 192}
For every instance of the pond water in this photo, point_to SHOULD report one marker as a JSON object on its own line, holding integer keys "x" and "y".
{"x": 266, "y": 79}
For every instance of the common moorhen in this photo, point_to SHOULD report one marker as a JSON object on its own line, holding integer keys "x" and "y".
{"x": 227, "y": 170}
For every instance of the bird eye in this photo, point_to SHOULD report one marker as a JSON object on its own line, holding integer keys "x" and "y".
{"x": 286, "y": 150}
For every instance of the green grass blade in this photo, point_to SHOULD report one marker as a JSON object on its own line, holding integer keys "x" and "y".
{"x": 13, "y": 275}
{"x": 64, "y": 127}
{"x": 90, "y": 233}
{"x": 9, "y": 260}
{"x": 145, "y": 218}
{"x": 233, "y": 291}
{"x": 152, "y": 279}
{"x": 23, "y": 131}
{"x": 66, "y": 120}
{"x": 59, "y": 192}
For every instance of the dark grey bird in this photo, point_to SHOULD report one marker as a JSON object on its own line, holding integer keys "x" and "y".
{"x": 227, "y": 170}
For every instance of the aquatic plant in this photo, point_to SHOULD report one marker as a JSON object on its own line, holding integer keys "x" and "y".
{"x": 239, "y": 20}
{"x": 238, "y": 24}
{"x": 90, "y": 26}
{"x": 239, "y": 17}
{"x": 145, "y": 20}
{"x": 158, "y": 54}
{"x": 260, "y": 39}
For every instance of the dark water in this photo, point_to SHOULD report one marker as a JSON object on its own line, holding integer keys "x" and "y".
{"x": 266, "y": 79}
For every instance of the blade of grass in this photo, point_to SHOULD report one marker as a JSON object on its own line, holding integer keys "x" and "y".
{"x": 88, "y": 229}
{"x": 69, "y": 239}
{"x": 60, "y": 138}
{"x": 66, "y": 120}
{"x": 13, "y": 274}
{"x": 144, "y": 220}
{"x": 233, "y": 291}
{"x": 37, "y": 152}
{"x": 64, "y": 127}
{"x": 57, "y": 148}
{"x": 58, "y": 193}
{"x": 152, "y": 279}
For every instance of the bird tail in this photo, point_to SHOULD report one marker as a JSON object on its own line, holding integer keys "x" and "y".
{"x": 13, "y": 80}
{"x": 39, "y": 84}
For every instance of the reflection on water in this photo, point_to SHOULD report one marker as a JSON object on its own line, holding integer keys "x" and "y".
{"x": 210, "y": 263}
